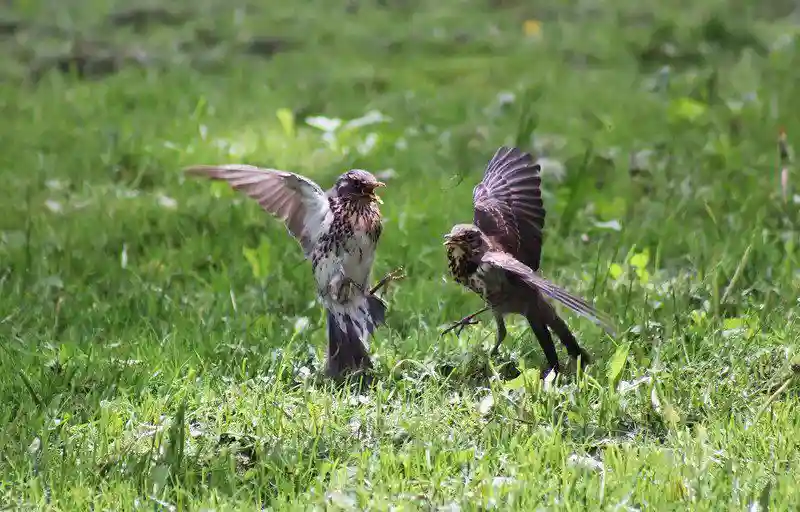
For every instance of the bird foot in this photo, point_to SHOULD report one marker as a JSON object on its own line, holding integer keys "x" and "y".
{"x": 395, "y": 275}
{"x": 344, "y": 289}
{"x": 460, "y": 325}
{"x": 549, "y": 372}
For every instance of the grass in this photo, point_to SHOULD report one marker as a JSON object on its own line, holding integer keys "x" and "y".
{"x": 159, "y": 340}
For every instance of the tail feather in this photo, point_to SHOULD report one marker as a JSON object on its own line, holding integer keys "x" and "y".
{"x": 576, "y": 304}
{"x": 377, "y": 312}
{"x": 348, "y": 336}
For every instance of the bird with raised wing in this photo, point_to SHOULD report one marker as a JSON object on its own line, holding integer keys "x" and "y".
{"x": 338, "y": 230}
{"x": 498, "y": 255}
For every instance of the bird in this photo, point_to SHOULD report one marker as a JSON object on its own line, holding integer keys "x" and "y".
{"x": 338, "y": 231}
{"x": 497, "y": 256}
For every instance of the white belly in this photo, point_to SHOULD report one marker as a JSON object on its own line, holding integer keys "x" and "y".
{"x": 357, "y": 260}
{"x": 354, "y": 261}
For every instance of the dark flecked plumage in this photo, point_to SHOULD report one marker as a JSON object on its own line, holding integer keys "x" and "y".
{"x": 339, "y": 232}
{"x": 497, "y": 257}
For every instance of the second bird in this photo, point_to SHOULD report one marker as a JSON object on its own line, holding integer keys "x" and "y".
{"x": 498, "y": 256}
{"x": 338, "y": 231}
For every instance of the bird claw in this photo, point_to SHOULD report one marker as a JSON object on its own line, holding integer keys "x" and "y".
{"x": 395, "y": 275}
{"x": 345, "y": 287}
{"x": 460, "y": 325}
{"x": 345, "y": 290}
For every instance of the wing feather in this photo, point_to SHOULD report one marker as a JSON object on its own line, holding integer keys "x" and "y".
{"x": 509, "y": 207}
{"x": 518, "y": 269}
{"x": 299, "y": 202}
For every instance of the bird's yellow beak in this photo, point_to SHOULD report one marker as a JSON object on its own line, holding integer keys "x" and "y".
{"x": 448, "y": 239}
{"x": 375, "y": 197}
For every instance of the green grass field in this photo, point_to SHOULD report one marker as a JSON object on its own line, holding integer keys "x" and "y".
{"x": 160, "y": 347}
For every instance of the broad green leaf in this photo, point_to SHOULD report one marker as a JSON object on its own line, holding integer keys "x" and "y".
{"x": 698, "y": 316}
{"x": 639, "y": 260}
{"x": 286, "y": 117}
{"x": 258, "y": 258}
{"x": 617, "y": 363}
{"x": 687, "y": 109}
{"x": 733, "y": 323}
{"x": 519, "y": 381}
{"x": 671, "y": 415}
{"x": 251, "y": 255}
{"x": 615, "y": 271}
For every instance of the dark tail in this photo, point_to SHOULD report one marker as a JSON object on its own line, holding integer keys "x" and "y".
{"x": 576, "y": 304}
{"x": 348, "y": 335}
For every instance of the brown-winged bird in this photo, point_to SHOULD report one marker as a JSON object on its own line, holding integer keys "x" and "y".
{"x": 338, "y": 231}
{"x": 498, "y": 256}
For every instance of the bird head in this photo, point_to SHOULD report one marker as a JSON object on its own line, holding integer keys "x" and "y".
{"x": 358, "y": 184}
{"x": 467, "y": 239}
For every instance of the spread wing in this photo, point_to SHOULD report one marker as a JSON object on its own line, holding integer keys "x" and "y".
{"x": 299, "y": 202}
{"x": 524, "y": 273}
{"x": 508, "y": 205}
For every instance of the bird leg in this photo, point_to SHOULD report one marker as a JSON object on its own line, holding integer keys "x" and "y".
{"x": 561, "y": 330}
{"x": 539, "y": 329}
{"x": 344, "y": 288}
{"x": 395, "y": 275}
{"x": 467, "y": 320}
{"x": 501, "y": 333}
{"x": 341, "y": 288}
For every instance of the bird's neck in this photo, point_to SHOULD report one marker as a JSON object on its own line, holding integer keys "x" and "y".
{"x": 461, "y": 264}
{"x": 363, "y": 214}
{"x": 354, "y": 201}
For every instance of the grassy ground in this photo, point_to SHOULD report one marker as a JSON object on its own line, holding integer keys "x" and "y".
{"x": 159, "y": 341}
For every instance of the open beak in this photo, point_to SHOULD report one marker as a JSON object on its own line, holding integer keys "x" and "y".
{"x": 375, "y": 197}
{"x": 447, "y": 239}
